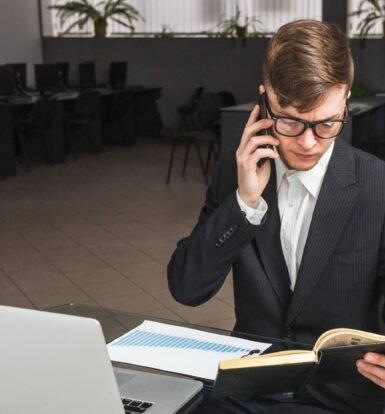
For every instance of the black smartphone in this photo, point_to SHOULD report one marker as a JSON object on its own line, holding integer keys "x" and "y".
{"x": 267, "y": 131}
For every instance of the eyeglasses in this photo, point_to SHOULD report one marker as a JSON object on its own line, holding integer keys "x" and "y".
{"x": 294, "y": 127}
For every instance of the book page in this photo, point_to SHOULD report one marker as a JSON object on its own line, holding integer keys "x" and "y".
{"x": 177, "y": 349}
{"x": 275, "y": 358}
{"x": 345, "y": 337}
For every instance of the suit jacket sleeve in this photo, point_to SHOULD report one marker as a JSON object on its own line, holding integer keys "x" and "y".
{"x": 201, "y": 261}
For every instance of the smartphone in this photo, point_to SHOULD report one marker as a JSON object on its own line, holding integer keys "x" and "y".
{"x": 263, "y": 115}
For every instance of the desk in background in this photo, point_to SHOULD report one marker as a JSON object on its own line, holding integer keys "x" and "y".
{"x": 366, "y": 123}
{"x": 142, "y": 120}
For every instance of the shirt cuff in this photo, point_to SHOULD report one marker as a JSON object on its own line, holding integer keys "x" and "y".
{"x": 256, "y": 214}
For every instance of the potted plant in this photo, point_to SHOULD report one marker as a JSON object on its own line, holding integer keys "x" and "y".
{"x": 233, "y": 27}
{"x": 118, "y": 11}
{"x": 370, "y": 12}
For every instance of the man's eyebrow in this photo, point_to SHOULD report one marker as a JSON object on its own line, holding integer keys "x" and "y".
{"x": 329, "y": 118}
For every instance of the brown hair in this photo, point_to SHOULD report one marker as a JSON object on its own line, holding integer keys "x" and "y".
{"x": 304, "y": 59}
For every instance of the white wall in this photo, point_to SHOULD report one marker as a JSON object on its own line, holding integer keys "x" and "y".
{"x": 181, "y": 16}
{"x": 20, "y": 39}
{"x": 376, "y": 31}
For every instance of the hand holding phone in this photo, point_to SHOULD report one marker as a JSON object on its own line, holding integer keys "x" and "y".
{"x": 263, "y": 115}
{"x": 253, "y": 180}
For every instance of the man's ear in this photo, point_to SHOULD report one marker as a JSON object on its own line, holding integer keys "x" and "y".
{"x": 349, "y": 93}
{"x": 261, "y": 89}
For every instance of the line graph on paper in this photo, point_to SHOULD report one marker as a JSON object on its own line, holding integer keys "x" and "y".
{"x": 179, "y": 349}
{"x": 146, "y": 338}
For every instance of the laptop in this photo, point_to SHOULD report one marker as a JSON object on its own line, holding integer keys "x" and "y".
{"x": 54, "y": 363}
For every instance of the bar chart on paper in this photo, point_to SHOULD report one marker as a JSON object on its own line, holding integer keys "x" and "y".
{"x": 178, "y": 349}
{"x": 146, "y": 338}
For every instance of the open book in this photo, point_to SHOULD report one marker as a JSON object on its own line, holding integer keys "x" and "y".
{"x": 332, "y": 359}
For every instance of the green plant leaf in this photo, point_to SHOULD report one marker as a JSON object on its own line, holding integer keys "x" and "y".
{"x": 128, "y": 25}
{"x": 118, "y": 10}
{"x": 369, "y": 12}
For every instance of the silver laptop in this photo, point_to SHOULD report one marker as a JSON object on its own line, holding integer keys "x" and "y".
{"x": 58, "y": 364}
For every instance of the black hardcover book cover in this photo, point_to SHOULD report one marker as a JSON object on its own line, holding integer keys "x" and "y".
{"x": 334, "y": 365}
{"x": 247, "y": 383}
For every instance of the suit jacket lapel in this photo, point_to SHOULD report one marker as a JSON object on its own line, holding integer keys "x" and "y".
{"x": 268, "y": 245}
{"x": 335, "y": 203}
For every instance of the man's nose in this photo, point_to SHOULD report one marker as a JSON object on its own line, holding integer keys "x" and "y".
{"x": 307, "y": 140}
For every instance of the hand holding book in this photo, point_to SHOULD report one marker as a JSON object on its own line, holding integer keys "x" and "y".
{"x": 372, "y": 366}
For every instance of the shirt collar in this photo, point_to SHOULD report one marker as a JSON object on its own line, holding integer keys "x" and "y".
{"x": 310, "y": 179}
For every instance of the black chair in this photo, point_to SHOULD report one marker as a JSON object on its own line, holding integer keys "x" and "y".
{"x": 118, "y": 75}
{"x": 227, "y": 98}
{"x": 87, "y": 75}
{"x": 7, "y": 145}
{"x": 33, "y": 133}
{"x": 20, "y": 74}
{"x": 79, "y": 124}
{"x": 200, "y": 126}
{"x": 190, "y": 106}
{"x": 117, "y": 122}
{"x": 63, "y": 74}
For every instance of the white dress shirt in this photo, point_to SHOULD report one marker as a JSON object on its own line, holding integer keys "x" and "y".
{"x": 297, "y": 196}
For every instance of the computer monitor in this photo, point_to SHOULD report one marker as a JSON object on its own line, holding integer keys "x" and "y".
{"x": 20, "y": 75}
{"x": 63, "y": 73}
{"x": 7, "y": 80}
{"x": 118, "y": 74}
{"x": 46, "y": 77}
{"x": 87, "y": 78}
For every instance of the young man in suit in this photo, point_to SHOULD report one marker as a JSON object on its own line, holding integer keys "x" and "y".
{"x": 303, "y": 231}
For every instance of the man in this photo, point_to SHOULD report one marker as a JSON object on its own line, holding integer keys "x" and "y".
{"x": 304, "y": 231}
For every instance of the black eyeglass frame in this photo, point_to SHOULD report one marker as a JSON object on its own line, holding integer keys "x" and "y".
{"x": 306, "y": 124}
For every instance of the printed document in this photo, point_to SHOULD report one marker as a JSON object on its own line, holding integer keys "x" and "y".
{"x": 177, "y": 349}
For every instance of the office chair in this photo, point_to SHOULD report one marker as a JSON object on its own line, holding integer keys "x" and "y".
{"x": 227, "y": 98}
{"x": 33, "y": 132}
{"x": 190, "y": 106}
{"x": 118, "y": 75}
{"x": 117, "y": 121}
{"x": 7, "y": 81}
{"x": 78, "y": 125}
{"x": 62, "y": 74}
{"x": 46, "y": 78}
{"x": 200, "y": 126}
{"x": 7, "y": 145}
{"x": 87, "y": 75}
{"x": 20, "y": 75}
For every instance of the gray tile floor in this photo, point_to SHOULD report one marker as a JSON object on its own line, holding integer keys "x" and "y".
{"x": 100, "y": 230}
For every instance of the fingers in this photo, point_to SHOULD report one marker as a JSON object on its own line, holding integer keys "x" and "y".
{"x": 256, "y": 143}
{"x": 373, "y": 368}
{"x": 254, "y": 125}
{"x": 256, "y": 148}
{"x": 252, "y": 129}
{"x": 253, "y": 116}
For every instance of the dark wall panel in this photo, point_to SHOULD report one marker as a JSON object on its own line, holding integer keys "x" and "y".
{"x": 177, "y": 65}
{"x": 180, "y": 65}
{"x": 370, "y": 63}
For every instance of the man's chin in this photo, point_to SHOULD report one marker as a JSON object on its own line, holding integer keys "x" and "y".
{"x": 300, "y": 165}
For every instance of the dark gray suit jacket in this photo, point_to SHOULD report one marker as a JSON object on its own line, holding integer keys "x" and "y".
{"x": 341, "y": 276}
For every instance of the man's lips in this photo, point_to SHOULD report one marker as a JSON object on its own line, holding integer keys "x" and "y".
{"x": 304, "y": 156}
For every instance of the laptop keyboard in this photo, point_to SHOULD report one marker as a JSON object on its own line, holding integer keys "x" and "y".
{"x": 135, "y": 406}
